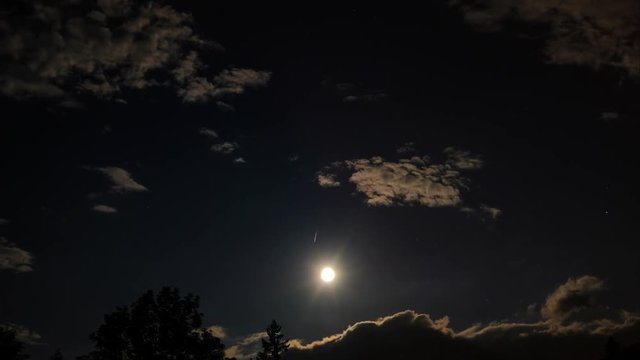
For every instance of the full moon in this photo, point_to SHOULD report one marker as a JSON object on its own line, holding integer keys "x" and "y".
{"x": 327, "y": 275}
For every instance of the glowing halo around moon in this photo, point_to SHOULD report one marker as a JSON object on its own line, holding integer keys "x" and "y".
{"x": 327, "y": 274}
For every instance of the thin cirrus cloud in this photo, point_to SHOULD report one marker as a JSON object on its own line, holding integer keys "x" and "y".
{"x": 412, "y": 335}
{"x": 105, "y": 48}
{"x": 13, "y": 258}
{"x": 580, "y": 32}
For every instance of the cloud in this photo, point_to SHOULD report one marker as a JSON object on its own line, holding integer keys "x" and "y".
{"x": 484, "y": 212}
{"x": 13, "y": 258}
{"x": 208, "y": 132}
{"x": 217, "y": 331}
{"x": 365, "y": 97}
{"x": 408, "y": 147}
{"x": 573, "y": 295}
{"x": 223, "y": 106}
{"x": 246, "y": 347}
{"x": 463, "y": 160}
{"x": 412, "y": 335}
{"x": 581, "y": 32}
{"x": 121, "y": 179}
{"x": 609, "y": 116}
{"x": 225, "y": 147}
{"x": 106, "y": 48}
{"x": 239, "y": 160}
{"x": 23, "y": 334}
{"x": 327, "y": 180}
{"x": 106, "y": 209}
{"x": 409, "y": 181}
{"x": 4, "y": 222}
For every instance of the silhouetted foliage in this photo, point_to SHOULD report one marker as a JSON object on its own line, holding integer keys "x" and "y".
{"x": 615, "y": 352}
{"x": 165, "y": 326}
{"x": 57, "y": 355}
{"x": 273, "y": 347}
{"x": 10, "y": 347}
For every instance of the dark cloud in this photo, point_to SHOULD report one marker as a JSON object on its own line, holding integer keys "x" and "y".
{"x": 410, "y": 335}
{"x": 13, "y": 258}
{"x": 58, "y": 49}
{"x": 610, "y": 116}
{"x": 583, "y": 32}
{"x": 365, "y": 97}
{"x": 4, "y": 222}
{"x": 412, "y": 181}
{"x": 406, "y": 148}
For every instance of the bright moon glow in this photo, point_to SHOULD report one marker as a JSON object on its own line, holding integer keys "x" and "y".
{"x": 327, "y": 275}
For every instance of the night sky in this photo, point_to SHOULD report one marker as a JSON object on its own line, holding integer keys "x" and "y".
{"x": 475, "y": 160}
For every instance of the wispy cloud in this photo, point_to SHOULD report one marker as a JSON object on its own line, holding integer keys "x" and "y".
{"x": 226, "y": 147}
{"x": 23, "y": 334}
{"x": 106, "y": 209}
{"x": 591, "y": 33}
{"x": 121, "y": 179}
{"x": 208, "y": 132}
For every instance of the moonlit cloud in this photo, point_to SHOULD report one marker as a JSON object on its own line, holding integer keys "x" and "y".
{"x": 107, "y": 48}
{"x": 239, "y": 160}
{"x": 408, "y": 181}
{"x": 217, "y": 331}
{"x": 13, "y": 258}
{"x": 208, "y": 132}
{"x": 23, "y": 334}
{"x": 571, "y": 296}
{"x": 327, "y": 180}
{"x": 412, "y": 335}
{"x": 106, "y": 209}
{"x": 121, "y": 179}
{"x": 581, "y": 32}
{"x": 246, "y": 347}
{"x": 226, "y": 147}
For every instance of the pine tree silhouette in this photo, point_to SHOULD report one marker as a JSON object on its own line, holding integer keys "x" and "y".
{"x": 273, "y": 347}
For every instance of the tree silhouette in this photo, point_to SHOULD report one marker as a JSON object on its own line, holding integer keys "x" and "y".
{"x": 10, "y": 347}
{"x": 273, "y": 347}
{"x": 165, "y": 326}
{"x": 57, "y": 355}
